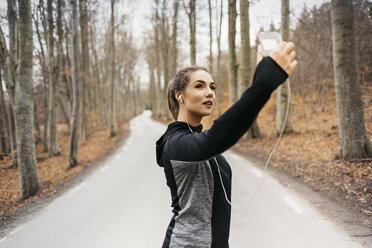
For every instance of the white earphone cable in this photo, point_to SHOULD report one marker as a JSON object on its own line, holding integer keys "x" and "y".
{"x": 223, "y": 187}
{"x": 280, "y": 136}
{"x": 187, "y": 120}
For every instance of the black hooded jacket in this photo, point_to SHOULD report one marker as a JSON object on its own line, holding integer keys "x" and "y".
{"x": 201, "y": 211}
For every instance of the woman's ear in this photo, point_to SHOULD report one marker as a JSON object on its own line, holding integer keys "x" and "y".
{"x": 178, "y": 96}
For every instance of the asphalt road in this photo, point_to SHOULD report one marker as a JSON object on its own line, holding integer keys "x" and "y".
{"x": 126, "y": 203}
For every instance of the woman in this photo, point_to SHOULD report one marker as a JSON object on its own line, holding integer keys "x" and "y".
{"x": 197, "y": 174}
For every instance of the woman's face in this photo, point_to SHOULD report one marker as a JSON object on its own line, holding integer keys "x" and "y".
{"x": 200, "y": 93}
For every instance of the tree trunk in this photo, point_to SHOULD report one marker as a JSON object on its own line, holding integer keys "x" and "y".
{"x": 283, "y": 91}
{"x": 193, "y": 31}
{"x": 24, "y": 105}
{"x": 13, "y": 50}
{"x": 96, "y": 71}
{"x": 66, "y": 79}
{"x": 4, "y": 137}
{"x": 190, "y": 11}
{"x": 37, "y": 126}
{"x": 152, "y": 86}
{"x": 84, "y": 68}
{"x": 112, "y": 105}
{"x": 233, "y": 82}
{"x": 160, "y": 96}
{"x": 13, "y": 44}
{"x": 210, "y": 37}
{"x": 53, "y": 148}
{"x": 174, "y": 48}
{"x": 219, "y": 74}
{"x": 74, "y": 131}
{"x": 245, "y": 60}
{"x": 46, "y": 119}
{"x": 13, "y": 134}
{"x": 165, "y": 52}
{"x": 44, "y": 70}
{"x": 245, "y": 50}
{"x": 67, "y": 66}
{"x": 354, "y": 141}
{"x": 60, "y": 60}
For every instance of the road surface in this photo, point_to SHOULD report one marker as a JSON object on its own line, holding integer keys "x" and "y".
{"x": 126, "y": 203}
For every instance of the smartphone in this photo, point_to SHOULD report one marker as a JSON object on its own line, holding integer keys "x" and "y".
{"x": 269, "y": 41}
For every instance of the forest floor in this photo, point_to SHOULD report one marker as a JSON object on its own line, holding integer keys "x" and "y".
{"x": 54, "y": 171}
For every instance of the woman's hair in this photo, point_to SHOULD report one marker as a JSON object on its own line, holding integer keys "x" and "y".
{"x": 179, "y": 83}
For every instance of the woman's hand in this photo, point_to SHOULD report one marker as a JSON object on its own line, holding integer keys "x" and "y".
{"x": 284, "y": 55}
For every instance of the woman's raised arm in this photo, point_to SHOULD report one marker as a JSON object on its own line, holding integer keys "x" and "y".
{"x": 271, "y": 71}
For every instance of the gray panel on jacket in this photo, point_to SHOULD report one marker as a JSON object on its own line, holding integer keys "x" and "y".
{"x": 193, "y": 227}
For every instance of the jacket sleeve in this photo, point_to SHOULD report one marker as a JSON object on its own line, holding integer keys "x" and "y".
{"x": 230, "y": 126}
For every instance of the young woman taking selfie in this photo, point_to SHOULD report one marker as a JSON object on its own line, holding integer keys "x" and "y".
{"x": 198, "y": 176}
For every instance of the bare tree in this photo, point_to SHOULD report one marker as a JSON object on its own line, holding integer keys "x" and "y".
{"x": 245, "y": 50}
{"x": 191, "y": 14}
{"x": 10, "y": 72}
{"x": 97, "y": 71}
{"x": 74, "y": 132}
{"x": 53, "y": 148}
{"x": 219, "y": 15}
{"x": 283, "y": 91}
{"x": 36, "y": 124}
{"x": 161, "y": 101}
{"x": 112, "y": 105}
{"x": 354, "y": 141}
{"x": 4, "y": 138}
{"x": 152, "y": 83}
{"x": 40, "y": 16}
{"x": 84, "y": 68}
{"x": 233, "y": 67}
{"x": 164, "y": 27}
{"x": 174, "y": 49}
{"x": 165, "y": 44}
{"x": 24, "y": 105}
{"x": 245, "y": 60}
{"x": 210, "y": 37}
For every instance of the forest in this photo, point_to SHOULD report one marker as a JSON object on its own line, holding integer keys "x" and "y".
{"x": 74, "y": 73}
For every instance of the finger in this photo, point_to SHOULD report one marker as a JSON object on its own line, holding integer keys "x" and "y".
{"x": 289, "y": 47}
{"x": 292, "y": 55}
{"x": 293, "y": 65}
{"x": 282, "y": 45}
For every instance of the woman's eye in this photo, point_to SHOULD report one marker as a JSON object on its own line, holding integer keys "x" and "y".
{"x": 199, "y": 86}
{"x": 213, "y": 88}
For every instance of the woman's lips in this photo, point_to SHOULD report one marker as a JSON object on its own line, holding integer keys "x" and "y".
{"x": 209, "y": 104}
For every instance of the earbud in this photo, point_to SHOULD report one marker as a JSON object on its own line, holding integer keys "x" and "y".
{"x": 180, "y": 99}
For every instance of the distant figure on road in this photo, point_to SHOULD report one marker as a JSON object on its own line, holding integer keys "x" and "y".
{"x": 198, "y": 176}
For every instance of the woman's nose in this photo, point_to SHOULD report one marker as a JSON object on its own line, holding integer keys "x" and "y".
{"x": 210, "y": 92}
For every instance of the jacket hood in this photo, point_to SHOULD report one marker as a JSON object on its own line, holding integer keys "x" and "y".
{"x": 173, "y": 127}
